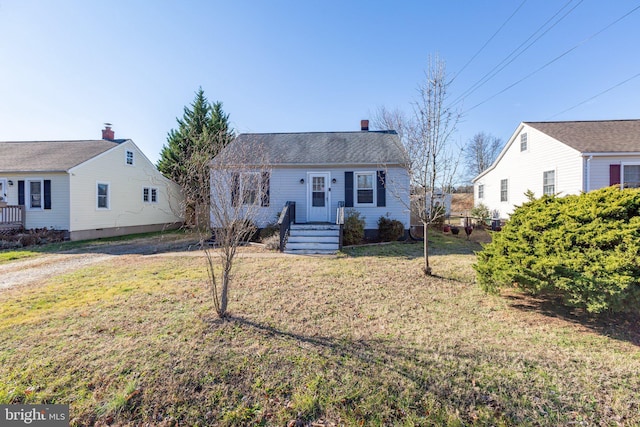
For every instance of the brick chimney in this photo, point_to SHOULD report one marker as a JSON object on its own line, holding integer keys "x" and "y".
{"x": 364, "y": 125}
{"x": 107, "y": 133}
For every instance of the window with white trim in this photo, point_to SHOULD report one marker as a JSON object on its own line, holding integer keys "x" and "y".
{"x": 630, "y": 176}
{"x": 250, "y": 188}
{"x": 523, "y": 142}
{"x": 150, "y": 195}
{"x": 549, "y": 183}
{"x": 129, "y": 157}
{"x": 35, "y": 189}
{"x": 481, "y": 191}
{"x": 102, "y": 195}
{"x": 504, "y": 190}
{"x": 364, "y": 188}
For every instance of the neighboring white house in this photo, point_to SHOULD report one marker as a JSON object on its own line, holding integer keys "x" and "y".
{"x": 560, "y": 158}
{"x": 321, "y": 171}
{"x": 90, "y": 189}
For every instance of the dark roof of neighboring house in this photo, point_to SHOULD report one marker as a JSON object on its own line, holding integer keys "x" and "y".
{"x": 318, "y": 148}
{"x": 601, "y": 136}
{"x": 49, "y": 156}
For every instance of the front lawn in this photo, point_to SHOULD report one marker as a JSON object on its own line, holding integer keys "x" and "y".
{"x": 361, "y": 339}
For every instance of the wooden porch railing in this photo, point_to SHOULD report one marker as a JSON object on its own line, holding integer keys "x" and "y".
{"x": 340, "y": 221}
{"x": 12, "y": 216}
{"x": 287, "y": 217}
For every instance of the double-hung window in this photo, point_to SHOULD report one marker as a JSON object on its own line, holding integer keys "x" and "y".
{"x": 365, "y": 188}
{"x": 129, "y": 157}
{"x": 35, "y": 196}
{"x": 630, "y": 176}
{"x": 250, "y": 188}
{"x": 504, "y": 190}
{"x": 549, "y": 183}
{"x": 150, "y": 195}
{"x": 523, "y": 142}
{"x": 102, "y": 195}
{"x": 481, "y": 191}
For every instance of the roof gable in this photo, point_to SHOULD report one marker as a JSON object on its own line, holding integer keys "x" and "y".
{"x": 49, "y": 156}
{"x": 323, "y": 148}
{"x": 601, "y": 136}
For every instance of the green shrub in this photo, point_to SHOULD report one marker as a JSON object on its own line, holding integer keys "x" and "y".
{"x": 481, "y": 213}
{"x": 269, "y": 230}
{"x": 389, "y": 230}
{"x": 353, "y": 231}
{"x": 584, "y": 248}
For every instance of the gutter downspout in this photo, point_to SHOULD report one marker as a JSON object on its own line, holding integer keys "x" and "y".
{"x": 588, "y": 171}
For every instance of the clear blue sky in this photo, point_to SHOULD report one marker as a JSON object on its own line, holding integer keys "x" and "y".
{"x": 282, "y": 66}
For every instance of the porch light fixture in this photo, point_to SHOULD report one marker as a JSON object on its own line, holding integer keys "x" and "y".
{"x": 333, "y": 181}
{"x": 10, "y": 182}
{"x": 301, "y": 180}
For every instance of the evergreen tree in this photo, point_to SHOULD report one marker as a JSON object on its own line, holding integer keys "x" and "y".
{"x": 202, "y": 132}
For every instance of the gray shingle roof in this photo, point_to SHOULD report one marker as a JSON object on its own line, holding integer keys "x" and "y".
{"x": 321, "y": 148}
{"x": 49, "y": 156}
{"x": 602, "y": 136}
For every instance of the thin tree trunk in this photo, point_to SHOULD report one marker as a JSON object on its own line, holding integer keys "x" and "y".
{"x": 224, "y": 294}
{"x": 427, "y": 268}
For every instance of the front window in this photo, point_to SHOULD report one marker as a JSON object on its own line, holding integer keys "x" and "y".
{"x": 504, "y": 190}
{"x": 35, "y": 194}
{"x": 129, "y": 157}
{"x": 364, "y": 188}
{"x": 481, "y": 191}
{"x": 103, "y": 195}
{"x": 250, "y": 187}
{"x": 549, "y": 183}
{"x": 523, "y": 142}
{"x": 630, "y": 176}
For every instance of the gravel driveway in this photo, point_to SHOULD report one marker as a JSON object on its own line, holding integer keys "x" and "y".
{"x": 33, "y": 270}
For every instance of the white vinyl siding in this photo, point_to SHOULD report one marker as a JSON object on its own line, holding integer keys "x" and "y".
{"x": 525, "y": 171}
{"x": 549, "y": 183}
{"x": 126, "y": 205}
{"x": 290, "y": 184}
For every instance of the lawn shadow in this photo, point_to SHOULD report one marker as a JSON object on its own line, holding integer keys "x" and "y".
{"x": 144, "y": 245}
{"x": 442, "y": 373}
{"x": 620, "y": 326}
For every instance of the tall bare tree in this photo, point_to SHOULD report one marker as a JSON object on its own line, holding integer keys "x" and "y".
{"x": 426, "y": 136}
{"x": 480, "y": 152}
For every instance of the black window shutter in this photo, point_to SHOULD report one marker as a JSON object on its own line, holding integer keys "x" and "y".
{"x": 265, "y": 189}
{"x": 21, "y": 192}
{"x": 235, "y": 189}
{"x": 380, "y": 187}
{"x": 614, "y": 174}
{"x": 47, "y": 194}
{"x": 348, "y": 189}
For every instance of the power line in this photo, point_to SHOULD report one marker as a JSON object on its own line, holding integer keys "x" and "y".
{"x": 555, "y": 59}
{"x": 488, "y": 41}
{"x": 595, "y": 96}
{"x": 493, "y": 72}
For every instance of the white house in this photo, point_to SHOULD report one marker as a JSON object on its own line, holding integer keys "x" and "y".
{"x": 322, "y": 171}
{"x": 560, "y": 158}
{"x": 90, "y": 189}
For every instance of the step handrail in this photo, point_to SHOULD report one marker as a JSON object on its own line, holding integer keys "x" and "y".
{"x": 287, "y": 217}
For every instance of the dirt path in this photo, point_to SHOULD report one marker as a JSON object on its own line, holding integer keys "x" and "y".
{"x": 33, "y": 270}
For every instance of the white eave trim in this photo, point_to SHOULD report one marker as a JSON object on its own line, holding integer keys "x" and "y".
{"x": 612, "y": 154}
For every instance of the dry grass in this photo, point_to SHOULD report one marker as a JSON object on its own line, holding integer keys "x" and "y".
{"x": 362, "y": 339}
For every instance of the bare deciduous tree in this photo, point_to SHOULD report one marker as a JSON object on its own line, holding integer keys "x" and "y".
{"x": 239, "y": 185}
{"x": 480, "y": 153}
{"x": 426, "y": 137}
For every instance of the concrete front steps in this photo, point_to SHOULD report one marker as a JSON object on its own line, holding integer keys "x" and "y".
{"x": 306, "y": 239}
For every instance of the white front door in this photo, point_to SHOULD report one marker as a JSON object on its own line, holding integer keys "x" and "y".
{"x": 318, "y": 199}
